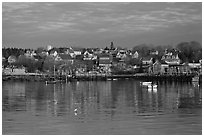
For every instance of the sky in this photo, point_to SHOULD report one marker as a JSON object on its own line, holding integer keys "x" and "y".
{"x": 33, "y": 25}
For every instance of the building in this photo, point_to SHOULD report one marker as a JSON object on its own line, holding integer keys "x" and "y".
{"x": 70, "y": 52}
{"x": 88, "y": 55}
{"x": 147, "y": 61}
{"x": 105, "y": 59}
{"x": 171, "y": 58}
{"x": 76, "y": 50}
{"x": 66, "y": 58}
{"x": 135, "y": 55}
{"x": 14, "y": 71}
{"x": 156, "y": 67}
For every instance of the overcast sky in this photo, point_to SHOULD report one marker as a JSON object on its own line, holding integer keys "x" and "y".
{"x": 32, "y": 25}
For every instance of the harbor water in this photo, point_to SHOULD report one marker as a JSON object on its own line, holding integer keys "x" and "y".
{"x": 118, "y": 107}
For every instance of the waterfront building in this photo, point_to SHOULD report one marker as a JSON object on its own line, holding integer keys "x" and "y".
{"x": 195, "y": 67}
{"x": 14, "y": 71}
{"x": 171, "y": 58}
{"x": 156, "y": 67}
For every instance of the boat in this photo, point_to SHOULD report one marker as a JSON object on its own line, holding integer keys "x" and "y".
{"x": 50, "y": 82}
{"x": 152, "y": 88}
{"x": 145, "y": 83}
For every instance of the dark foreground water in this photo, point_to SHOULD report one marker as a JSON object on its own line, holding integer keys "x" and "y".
{"x": 105, "y": 107}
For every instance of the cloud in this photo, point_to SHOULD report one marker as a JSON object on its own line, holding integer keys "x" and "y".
{"x": 55, "y": 25}
{"x": 99, "y": 17}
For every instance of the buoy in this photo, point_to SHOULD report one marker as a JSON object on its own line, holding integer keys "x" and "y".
{"x": 75, "y": 111}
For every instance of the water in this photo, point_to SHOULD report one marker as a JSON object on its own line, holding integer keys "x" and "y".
{"x": 103, "y": 107}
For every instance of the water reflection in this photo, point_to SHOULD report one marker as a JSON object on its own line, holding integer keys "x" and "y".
{"x": 99, "y": 101}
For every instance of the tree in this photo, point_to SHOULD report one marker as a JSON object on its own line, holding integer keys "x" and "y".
{"x": 49, "y": 63}
{"x": 190, "y": 51}
{"x": 27, "y": 62}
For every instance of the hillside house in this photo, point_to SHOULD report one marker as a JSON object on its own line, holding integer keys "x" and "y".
{"x": 135, "y": 55}
{"x": 70, "y": 52}
{"x": 66, "y": 58}
{"x": 76, "y": 50}
{"x": 88, "y": 55}
{"x": 147, "y": 60}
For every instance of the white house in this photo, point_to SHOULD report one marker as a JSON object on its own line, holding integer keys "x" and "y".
{"x": 135, "y": 55}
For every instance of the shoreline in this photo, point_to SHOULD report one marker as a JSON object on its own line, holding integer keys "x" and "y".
{"x": 100, "y": 77}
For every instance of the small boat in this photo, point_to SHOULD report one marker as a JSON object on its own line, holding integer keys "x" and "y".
{"x": 152, "y": 88}
{"x": 50, "y": 82}
{"x": 146, "y": 83}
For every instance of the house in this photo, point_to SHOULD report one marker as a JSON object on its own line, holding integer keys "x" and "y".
{"x": 12, "y": 59}
{"x": 30, "y": 53}
{"x": 104, "y": 60}
{"x": 88, "y": 55}
{"x": 171, "y": 58}
{"x": 147, "y": 60}
{"x": 70, "y": 52}
{"x": 156, "y": 67}
{"x": 135, "y": 55}
{"x": 77, "y": 50}
{"x": 66, "y": 58}
{"x": 122, "y": 54}
{"x": 53, "y": 53}
{"x": 175, "y": 69}
{"x": 154, "y": 52}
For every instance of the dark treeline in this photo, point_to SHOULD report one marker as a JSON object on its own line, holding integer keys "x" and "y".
{"x": 187, "y": 51}
{"x": 6, "y": 52}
